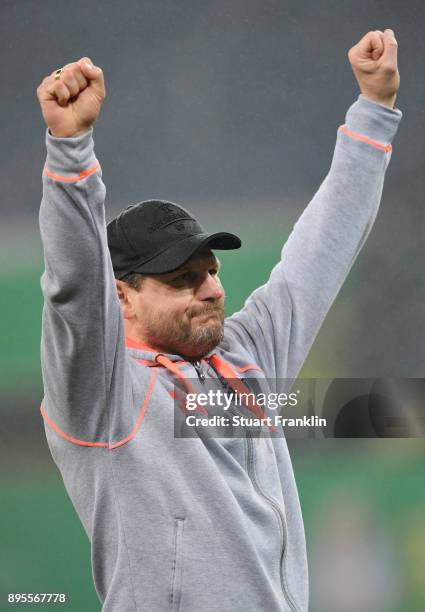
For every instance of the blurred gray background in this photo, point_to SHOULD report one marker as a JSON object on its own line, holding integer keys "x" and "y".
{"x": 231, "y": 109}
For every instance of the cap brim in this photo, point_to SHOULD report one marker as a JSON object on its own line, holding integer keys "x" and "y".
{"x": 178, "y": 254}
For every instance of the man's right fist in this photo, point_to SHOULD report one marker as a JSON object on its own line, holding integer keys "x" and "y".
{"x": 70, "y": 104}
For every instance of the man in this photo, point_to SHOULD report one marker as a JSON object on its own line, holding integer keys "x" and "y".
{"x": 199, "y": 524}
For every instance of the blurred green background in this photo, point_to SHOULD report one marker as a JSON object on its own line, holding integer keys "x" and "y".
{"x": 363, "y": 500}
{"x": 231, "y": 109}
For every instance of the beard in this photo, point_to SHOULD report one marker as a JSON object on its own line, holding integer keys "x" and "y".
{"x": 184, "y": 335}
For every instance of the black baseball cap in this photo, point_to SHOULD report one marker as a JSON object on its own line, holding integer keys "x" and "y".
{"x": 156, "y": 236}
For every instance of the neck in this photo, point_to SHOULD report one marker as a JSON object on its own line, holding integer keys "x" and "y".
{"x": 135, "y": 339}
{"x": 138, "y": 344}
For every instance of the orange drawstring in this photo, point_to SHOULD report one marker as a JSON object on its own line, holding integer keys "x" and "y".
{"x": 171, "y": 366}
{"x": 227, "y": 372}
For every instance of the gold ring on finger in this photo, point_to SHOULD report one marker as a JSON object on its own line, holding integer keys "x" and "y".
{"x": 58, "y": 73}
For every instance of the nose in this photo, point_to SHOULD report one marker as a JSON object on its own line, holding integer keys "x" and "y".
{"x": 211, "y": 289}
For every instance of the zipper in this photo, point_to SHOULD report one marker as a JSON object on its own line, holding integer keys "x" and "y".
{"x": 200, "y": 373}
{"x": 280, "y": 517}
{"x": 273, "y": 504}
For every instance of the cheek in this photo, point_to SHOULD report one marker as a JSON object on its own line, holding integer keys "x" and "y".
{"x": 163, "y": 307}
{"x": 148, "y": 311}
{"x": 170, "y": 310}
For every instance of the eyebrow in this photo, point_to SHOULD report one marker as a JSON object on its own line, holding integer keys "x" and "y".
{"x": 213, "y": 262}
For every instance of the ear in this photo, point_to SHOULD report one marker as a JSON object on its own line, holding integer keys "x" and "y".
{"x": 124, "y": 296}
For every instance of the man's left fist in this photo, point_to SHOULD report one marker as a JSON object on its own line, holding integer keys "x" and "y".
{"x": 374, "y": 63}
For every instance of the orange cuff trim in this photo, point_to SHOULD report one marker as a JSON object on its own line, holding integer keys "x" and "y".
{"x": 378, "y": 145}
{"x": 71, "y": 179}
{"x": 105, "y": 444}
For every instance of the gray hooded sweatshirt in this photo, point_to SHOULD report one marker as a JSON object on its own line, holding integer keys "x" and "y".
{"x": 198, "y": 524}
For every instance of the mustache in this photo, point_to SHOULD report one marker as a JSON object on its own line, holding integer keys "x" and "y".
{"x": 206, "y": 309}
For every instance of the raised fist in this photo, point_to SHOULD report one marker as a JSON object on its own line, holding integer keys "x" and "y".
{"x": 374, "y": 63}
{"x": 71, "y": 102}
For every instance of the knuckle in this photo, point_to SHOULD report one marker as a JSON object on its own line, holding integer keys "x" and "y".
{"x": 79, "y": 76}
{"x": 62, "y": 90}
{"x": 68, "y": 66}
{"x": 66, "y": 84}
{"x": 69, "y": 79}
{"x": 71, "y": 84}
{"x": 66, "y": 71}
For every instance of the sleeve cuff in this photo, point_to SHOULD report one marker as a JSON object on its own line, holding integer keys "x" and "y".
{"x": 373, "y": 120}
{"x": 70, "y": 156}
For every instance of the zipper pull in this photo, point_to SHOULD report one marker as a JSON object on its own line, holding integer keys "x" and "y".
{"x": 198, "y": 368}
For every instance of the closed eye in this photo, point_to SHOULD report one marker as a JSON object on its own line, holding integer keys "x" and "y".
{"x": 191, "y": 276}
{"x": 186, "y": 277}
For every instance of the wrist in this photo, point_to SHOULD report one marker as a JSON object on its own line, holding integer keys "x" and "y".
{"x": 388, "y": 101}
{"x": 68, "y": 133}
{"x": 70, "y": 156}
{"x": 373, "y": 120}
